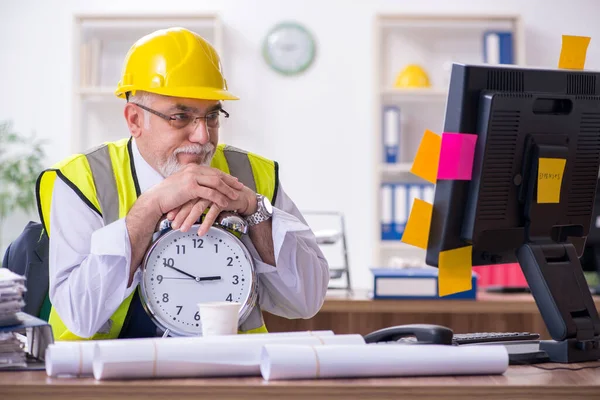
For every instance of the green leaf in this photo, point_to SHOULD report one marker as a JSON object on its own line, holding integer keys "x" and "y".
{"x": 20, "y": 165}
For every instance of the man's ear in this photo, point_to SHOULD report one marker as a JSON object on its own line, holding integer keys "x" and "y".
{"x": 134, "y": 119}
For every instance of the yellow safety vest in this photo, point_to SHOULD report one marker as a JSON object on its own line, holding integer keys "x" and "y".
{"x": 105, "y": 179}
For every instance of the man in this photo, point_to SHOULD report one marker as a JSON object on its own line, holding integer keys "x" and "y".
{"x": 101, "y": 208}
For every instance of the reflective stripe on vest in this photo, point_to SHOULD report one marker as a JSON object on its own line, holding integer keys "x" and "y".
{"x": 104, "y": 178}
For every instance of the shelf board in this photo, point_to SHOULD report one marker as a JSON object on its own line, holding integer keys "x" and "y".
{"x": 426, "y": 94}
{"x": 396, "y": 245}
{"x": 393, "y": 169}
{"x": 96, "y": 91}
{"x": 464, "y": 22}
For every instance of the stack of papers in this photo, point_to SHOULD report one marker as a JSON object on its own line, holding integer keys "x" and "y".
{"x": 12, "y": 350}
{"x": 12, "y": 344}
{"x": 12, "y": 288}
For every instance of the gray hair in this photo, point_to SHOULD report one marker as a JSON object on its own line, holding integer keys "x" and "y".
{"x": 144, "y": 99}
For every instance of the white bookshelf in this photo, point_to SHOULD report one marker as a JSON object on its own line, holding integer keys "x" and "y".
{"x": 100, "y": 43}
{"x": 434, "y": 42}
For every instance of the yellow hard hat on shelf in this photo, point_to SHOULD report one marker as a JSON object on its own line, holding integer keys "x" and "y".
{"x": 174, "y": 62}
{"x": 413, "y": 76}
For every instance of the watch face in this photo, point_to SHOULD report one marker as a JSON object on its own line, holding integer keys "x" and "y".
{"x": 289, "y": 48}
{"x": 268, "y": 206}
{"x": 183, "y": 269}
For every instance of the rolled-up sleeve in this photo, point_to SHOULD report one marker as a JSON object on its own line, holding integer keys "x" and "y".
{"x": 297, "y": 285}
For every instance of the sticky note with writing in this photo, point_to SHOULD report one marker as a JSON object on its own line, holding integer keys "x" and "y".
{"x": 416, "y": 232}
{"x": 573, "y": 52}
{"x": 454, "y": 274}
{"x": 456, "y": 156}
{"x": 427, "y": 158}
{"x": 550, "y": 177}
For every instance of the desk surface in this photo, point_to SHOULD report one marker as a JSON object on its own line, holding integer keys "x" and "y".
{"x": 518, "y": 382}
{"x": 360, "y": 301}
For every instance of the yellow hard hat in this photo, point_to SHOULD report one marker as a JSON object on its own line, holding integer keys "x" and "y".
{"x": 413, "y": 76}
{"x": 174, "y": 62}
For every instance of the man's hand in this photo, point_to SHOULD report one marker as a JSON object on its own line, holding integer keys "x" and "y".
{"x": 191, "y": 183}
{"x": 185, "y": 216}
{"x": 195, "y": 182}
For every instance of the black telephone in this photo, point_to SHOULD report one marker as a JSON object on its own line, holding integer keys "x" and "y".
{"x": 424, "y": 333}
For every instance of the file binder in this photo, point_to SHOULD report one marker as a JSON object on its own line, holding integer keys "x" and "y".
{"x": 414, "y": 283}
{"x": 414, "y": 192}
{"x": 400, "y": 211}
{"x": 396, "y": 203}
{"x": 387, "y": 198}
{"x": 391, "y": 134}
{"x": 428, "y": 193}
{"x": 498, "y": 47}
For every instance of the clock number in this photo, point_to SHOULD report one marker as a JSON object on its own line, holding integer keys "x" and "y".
{"x": 229, "y": 298}
{"x": 168, "y": 262}
{"x": 165, "y": 297}
{"x": 230, "y": 261}
{"x": 178, "y": 311}
{"x": 182, "y": 248}
{"x": 216, "y": 247}
{"x": 197, "y": 316}
{"x": 198, "y": 243}
{"x": 236, "y": 279}
{"x": 159, "y": 278}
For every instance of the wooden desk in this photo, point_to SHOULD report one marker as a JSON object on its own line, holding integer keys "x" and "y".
{"x": 522, "y": 382}
{"x": 360, "y": 314}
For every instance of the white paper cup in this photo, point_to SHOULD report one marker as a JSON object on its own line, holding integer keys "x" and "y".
{"x": 219, "y": 318}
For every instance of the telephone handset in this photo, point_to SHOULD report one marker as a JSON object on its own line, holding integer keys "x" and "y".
{"x": 424, "y": 333}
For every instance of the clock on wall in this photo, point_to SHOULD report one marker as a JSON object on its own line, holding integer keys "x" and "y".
{"x": 289, "y": 48}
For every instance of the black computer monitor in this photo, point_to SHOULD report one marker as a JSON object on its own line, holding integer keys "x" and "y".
{"x": 590, "y": 260}
{"x": 519, "y": 116}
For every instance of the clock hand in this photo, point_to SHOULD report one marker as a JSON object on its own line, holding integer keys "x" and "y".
{"x": 197, "y": 278}
{"x": 208, "y": 278}
{"x": 183, "y": 272}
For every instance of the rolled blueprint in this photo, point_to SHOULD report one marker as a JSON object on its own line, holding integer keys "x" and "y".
{"x": 69, "y": 358}
{"x": 75, "y": 358}
{"x": 280, "y": 361}
{"x": 196, "y": 357}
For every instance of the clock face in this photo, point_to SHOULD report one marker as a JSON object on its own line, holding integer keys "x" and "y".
{"x": 289, "y": 48}
{"x": 183, "y": 269}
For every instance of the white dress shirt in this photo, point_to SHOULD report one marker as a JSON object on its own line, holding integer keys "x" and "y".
{"x": 89, "y": 262}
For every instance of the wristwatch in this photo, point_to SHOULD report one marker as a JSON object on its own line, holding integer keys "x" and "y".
{"x": 263, "y": 212}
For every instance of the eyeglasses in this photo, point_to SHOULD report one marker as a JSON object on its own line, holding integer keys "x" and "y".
{"x": 182, "y": 119}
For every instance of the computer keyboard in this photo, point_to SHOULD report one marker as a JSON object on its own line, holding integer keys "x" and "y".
{"x": 482, "y": 337}
{"x": 473, "y": 338}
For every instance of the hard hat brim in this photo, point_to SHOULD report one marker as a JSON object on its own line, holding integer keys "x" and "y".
{"x": 200, "y": 93}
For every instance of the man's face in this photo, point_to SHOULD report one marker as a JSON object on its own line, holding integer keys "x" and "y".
{"x": 185, "y": 138}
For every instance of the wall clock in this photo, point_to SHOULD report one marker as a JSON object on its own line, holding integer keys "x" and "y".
{"x": 289, "y": 48}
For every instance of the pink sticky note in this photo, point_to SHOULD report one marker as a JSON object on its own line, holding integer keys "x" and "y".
{"x": 456, "y": 156}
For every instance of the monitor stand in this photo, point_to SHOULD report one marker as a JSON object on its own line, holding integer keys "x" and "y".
{"x": 554, "y": 274}
{"x": 560, "y": 290}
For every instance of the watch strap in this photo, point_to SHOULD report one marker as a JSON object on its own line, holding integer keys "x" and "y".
{"x": 261, "y": 213}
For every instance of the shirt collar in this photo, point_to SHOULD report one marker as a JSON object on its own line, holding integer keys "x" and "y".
{"x": 146, "y": 175}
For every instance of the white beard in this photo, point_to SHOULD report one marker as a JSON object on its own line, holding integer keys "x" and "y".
{"x": 171, "y": 166}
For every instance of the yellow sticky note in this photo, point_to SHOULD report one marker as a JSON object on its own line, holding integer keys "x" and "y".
{"x": 454, "y": 274}
{"x": 573, "y": 52}
{"x": 416, "y": 232}
{"x": 428, "y": 157}
{"x": 550, "y": 177}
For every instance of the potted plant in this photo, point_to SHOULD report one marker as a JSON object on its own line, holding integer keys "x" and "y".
{"x": 20, "y": 164}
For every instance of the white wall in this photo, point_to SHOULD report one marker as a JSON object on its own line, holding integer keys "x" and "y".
{"x": 316, "y": 125}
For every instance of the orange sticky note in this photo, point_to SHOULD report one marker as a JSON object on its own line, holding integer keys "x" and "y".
{"x": 428, "y": 157}
{"x": 573, "y": 52}
{"x": 550, "y": 177}
{"x": 454, "y": 274}
{"x": 416, "y": 232}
